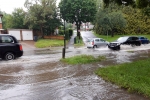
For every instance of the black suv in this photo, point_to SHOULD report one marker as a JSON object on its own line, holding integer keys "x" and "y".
{"x": 128, "y": 40}
{"x": 9, "y": 47}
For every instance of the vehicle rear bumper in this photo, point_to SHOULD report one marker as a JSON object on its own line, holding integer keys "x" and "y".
{"x": 19, "y": 53}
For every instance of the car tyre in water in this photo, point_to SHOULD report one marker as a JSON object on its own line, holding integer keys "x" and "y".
{"x": 133, "y": 45}
{"x": 94, "y": 46}
{"x": 9, "y": 56}
{"x": 118, "y": 48}
{"x": 138, "y": 44}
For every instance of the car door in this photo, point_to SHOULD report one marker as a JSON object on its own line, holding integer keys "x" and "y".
{"x": 129, "y": 40}
{"x": 103, "y": 42}
{"x": 97, "y": 42}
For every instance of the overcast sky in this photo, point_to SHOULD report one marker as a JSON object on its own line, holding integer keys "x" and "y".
{"x": 9, "y": 5}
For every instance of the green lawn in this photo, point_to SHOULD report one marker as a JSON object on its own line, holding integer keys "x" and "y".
{"x": 43, "y": 43}
{"x": 110, "y": 39}
{"x": 135, "y": 76}
{"x": 82, "y": 59}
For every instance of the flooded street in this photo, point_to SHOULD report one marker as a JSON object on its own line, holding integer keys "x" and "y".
{"x": 41, "y": 76}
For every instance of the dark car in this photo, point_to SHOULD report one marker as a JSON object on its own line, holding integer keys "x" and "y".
{"x": 143, "y": 40}
{"x": 127, "y": 40}
{"x": 9, "y": 47}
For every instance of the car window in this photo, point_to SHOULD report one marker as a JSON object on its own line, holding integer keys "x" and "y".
{"x": 97, "y": 40}
{"x": 6, "y": 39}
{"x": 142, "y": 37}
{"x": 134, "y": 38}
{"x": 102, "y": 40}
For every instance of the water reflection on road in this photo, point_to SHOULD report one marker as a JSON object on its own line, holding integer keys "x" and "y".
{"x": 36, "y": 77}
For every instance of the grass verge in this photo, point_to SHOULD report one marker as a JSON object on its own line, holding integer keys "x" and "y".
{"x": 82, "y": 59}
{"x": 135, "y": 76}
{"x": 42, "y": 43}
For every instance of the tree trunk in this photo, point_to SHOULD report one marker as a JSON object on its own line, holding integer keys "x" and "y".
{"x": 78, "y": 30}
{"x": 42, "y": 31}
{"x": 112, "y": 33}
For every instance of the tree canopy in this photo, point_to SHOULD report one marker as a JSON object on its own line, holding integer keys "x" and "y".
{"x": 77, "y": 11}
{"x": 39, "y": 12}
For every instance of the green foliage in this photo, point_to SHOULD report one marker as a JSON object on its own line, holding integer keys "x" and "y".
{"x": 142, "y": 3}
{"x": 137, "y": 23}
{"x": 18, "y": 16}
{"x": 43, "y": 43}
{"x": 77, "y": 11}
{"x": 14, "y": 20}
{"x": 82, "y": 59}
{"x": 109, "y": 20}
{"x": 42, "y": 15}
{"x": 7, "y": 20}
{"x": 132, "y": 76}
{"x": 119, "y": 2}
{"x": 146, "y": 11}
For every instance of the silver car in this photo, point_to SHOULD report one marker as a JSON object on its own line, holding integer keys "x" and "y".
{"x": 96, "y": 42}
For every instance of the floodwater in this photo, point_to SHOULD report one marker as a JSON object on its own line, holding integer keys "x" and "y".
{"x": 41, "y": 76}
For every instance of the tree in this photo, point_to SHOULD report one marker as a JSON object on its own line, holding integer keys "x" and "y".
{"x": 39, "y": 11}
{"x": 109, "y": 20}
{"x": 7, "y": 20}
{"x": 18, "y": 16}
{"x": 119, "y": 2}
{"x": 142, "y": 3}
{"x": 77, "y": 11}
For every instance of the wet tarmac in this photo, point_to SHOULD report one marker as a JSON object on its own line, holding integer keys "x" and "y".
{"x": 41, "y": 76}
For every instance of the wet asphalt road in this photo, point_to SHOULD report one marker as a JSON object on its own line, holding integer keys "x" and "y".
{"x": 42, "y": 76}
{"x": 39, "y": 75}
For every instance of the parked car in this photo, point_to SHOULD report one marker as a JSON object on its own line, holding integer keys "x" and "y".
{"x": 9, "y": 47}
{"x": 127, "y": 40}
{"x": 143, "y": 40}
{"x": 96, "y": 42}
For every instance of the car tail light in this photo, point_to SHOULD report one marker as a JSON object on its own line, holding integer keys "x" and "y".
{"x": 20, "y": 46}
{"x": 92, "y": 42}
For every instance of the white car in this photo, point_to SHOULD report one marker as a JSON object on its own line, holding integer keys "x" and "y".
{"x": 96, "y": 42}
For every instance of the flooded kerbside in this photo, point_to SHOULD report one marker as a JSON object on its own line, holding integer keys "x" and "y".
{"x": 44, "y": 77}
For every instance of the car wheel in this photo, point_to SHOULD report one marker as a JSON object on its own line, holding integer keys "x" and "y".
{"x": 138, "y": 44}
{"x": 9, "y": 56}
{"x": 94, "y": 46}
{"x": 118, "y": 48}
{"x": 133, "y": 45}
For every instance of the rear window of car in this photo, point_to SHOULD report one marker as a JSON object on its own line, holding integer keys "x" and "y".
{"x": 142, "y": 38}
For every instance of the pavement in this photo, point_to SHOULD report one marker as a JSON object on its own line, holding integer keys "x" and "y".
{"x": 28, "y": 45}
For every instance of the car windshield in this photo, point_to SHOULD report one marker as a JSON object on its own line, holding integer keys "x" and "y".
{"x": 122, "y": 39}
